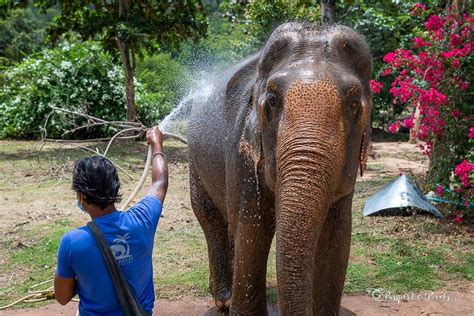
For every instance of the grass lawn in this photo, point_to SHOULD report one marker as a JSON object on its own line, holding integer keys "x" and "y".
{"x": 399, "y": 254}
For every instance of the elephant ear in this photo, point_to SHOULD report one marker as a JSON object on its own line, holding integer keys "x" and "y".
{"x": 251, "y": 140}
{"x": 366, "y": 135}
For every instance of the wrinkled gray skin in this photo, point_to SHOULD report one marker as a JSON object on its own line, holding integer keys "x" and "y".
{"x": 276, "y": 149}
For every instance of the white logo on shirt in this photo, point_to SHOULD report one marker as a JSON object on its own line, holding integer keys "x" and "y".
{"x": 121, "y": 249}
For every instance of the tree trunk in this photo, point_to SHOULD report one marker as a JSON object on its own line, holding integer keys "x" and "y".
{"x": 415, "y": 130}
{"x": 133, "y": 57}
{"x": 129, "y": 88}
{"x": 328, "y": 12}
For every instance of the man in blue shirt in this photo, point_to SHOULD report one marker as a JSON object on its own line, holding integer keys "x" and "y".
{"x": 130, "y": 234}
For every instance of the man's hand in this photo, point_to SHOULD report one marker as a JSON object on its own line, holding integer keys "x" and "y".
{"x": 154, "y": 137}
{"x": 159, "y": 166}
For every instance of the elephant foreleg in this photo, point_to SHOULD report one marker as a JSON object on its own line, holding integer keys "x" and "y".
{"x": 219, "y": 243}
{"x": 253, "y": 239}
{"x": 332, "y": 256}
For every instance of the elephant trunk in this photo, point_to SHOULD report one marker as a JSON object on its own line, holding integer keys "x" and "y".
{"x": 306, "y": 176}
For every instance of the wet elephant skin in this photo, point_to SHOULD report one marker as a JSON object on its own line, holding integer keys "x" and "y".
{"x": 274, "y": 151}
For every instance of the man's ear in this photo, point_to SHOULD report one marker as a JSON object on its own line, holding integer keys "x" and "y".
{"x": 251, "y": 139}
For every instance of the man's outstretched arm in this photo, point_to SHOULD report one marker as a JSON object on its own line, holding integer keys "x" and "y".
{"x": 159, "y": 166}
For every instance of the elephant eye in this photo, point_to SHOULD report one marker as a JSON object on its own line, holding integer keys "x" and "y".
{"x": 271, "y": 101}
{"x": 355, "y": 108}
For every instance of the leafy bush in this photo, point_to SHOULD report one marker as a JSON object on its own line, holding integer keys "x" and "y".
{"x": 82, "y": 77}
{"x": 22, "y": 32}
{"x": 77, "y": 77}
{"x": 431, "y": 84}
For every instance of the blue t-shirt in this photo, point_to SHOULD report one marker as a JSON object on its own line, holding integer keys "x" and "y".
{"x": 130, "y": 236}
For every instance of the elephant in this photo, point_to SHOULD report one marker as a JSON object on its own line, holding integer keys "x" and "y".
{"x": 274, "y": 151}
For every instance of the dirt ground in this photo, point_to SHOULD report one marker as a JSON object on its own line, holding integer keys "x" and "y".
{"x": 388, "y": 159}
{"x": 424, "y": 303}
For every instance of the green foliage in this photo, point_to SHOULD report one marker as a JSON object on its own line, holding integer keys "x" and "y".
{"x": 266, "y": 15}
{"x": 22, "y": 32}
{"x": 225, "y": 43}
{"x": 384, "y": 24}
{"x": 260, "y": 17}
{"x": 163, "y": 81}
{"x": 78, "y": 77}
{"x": 139, "y": 23}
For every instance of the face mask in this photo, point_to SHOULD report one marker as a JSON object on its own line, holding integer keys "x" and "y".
{"x": 79, "y": 205}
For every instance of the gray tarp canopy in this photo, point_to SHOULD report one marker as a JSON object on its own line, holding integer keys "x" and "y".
{"x": 395, "y": 199}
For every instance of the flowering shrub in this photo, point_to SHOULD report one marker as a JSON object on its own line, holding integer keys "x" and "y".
{"x": 431, "y": 82}
{"x": 80, "y": 77}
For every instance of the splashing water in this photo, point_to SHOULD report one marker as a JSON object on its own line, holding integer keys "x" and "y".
{"x": 176, "y": 123}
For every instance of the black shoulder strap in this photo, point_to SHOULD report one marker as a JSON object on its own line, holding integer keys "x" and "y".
{"x": 130, "y": 306}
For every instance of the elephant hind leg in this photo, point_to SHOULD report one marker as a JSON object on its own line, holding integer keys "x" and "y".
{"x": 331, "y": 260}
{"x": 219, "y": 243}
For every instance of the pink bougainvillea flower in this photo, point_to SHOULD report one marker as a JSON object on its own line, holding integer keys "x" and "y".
{"x": 471, "y": 133}
{"x": 434, "y": 97}
{"x": 464, "y": 170}
{"x": 423, "y": 132}
{"x": 405, "y": 53}
{"x": 456, "y": 63}
{"x": 458, "y": 218}
{"x": 389, "y": 57}
{"x": 418, "y": 8}
{"x": 455, "y": 40}
{"x": 386, "y": 72}
{"x": 434, "y": 23}
{"x": 394, "y": 127}
{"x": 456, "y": 114}
{"x": 465, "y": 50}
{"x": 437, "y": 35}
{"x": 439, "y": 190}
{"x": 463, "y": 85}
{"x": 465, "y": 32}
{"x": 419, "y": 42}
{"x": 375, "y": 86}
{"x": 448, "y": 55}
{"x": 408, "y": 122}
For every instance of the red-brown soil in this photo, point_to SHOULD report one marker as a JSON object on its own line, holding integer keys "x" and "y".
{"x": 424, "y": 303}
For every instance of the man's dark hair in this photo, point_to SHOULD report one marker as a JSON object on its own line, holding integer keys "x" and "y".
{"x": 96, "y": 178}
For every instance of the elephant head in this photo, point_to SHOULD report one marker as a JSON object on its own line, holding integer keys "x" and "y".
{"x": 308, "y": 127}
